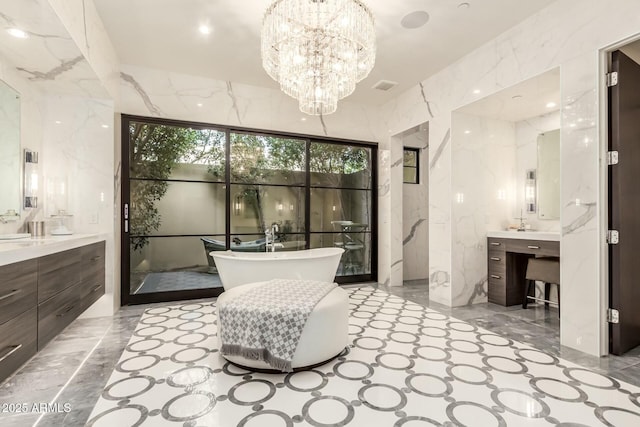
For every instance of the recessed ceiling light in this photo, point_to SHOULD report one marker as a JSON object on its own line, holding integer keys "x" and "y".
{"x": 58, "y": 122}
{"x": 18, "y": 33}
{"x": 551, "y": 104}
{"x": 204, "y": 29}
{"x": 415, "y": 19}
{"x": 199, "y": 104}
{"x": 304, "y": 119}
{"x": 467, "y": 132}
{"x": 476, "y": 91}
{"x": 464, "y": 5}
{"x": 105, "y": 126}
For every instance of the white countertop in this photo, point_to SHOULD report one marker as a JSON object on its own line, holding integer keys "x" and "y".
{"x": 527, "y": 235}
{"x": 23, "y": 249}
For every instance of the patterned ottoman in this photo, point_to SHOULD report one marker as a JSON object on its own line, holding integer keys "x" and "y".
{"x": 325, "y": 335}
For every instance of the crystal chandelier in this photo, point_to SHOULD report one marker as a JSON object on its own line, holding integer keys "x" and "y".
{"x": 318, "y": 49}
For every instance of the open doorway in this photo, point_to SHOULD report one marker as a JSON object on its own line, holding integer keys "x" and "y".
{"x": 415, "y": 206}
{"x": 624, "y": 196}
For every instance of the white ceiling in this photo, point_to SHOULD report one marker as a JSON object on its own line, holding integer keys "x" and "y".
{"x": 523, "y": 101}
{"x": 164, "y": 34}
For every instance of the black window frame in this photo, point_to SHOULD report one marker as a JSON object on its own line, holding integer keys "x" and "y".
{"x": 126, "y": 119}
{"x": 415, "y": 150}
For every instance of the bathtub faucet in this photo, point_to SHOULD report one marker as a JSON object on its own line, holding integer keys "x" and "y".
{"x": 271, "y": 232}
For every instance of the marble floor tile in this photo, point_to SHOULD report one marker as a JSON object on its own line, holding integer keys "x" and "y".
{"x": 406, "y": 365}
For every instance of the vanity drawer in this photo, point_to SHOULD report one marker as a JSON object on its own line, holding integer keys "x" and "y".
{"x": 494, "y": 244}
{"x": 18, "y": 342}
{"x": 18, "y": 289}
{"x": 497, "y": 260}
{"x": 93, "y": 269}
{"x": 58, "y": 272}
{"x": 536, "y": 247}
{"x": 497, "y": 289}
{"x": 57, "y": 312}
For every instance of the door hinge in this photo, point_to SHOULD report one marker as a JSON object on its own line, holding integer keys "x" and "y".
{"x": 613, "y": 237}
{"x": 612, "y": 158}
{"x": 613, "y": 315}
{"x": 612, "y": 79}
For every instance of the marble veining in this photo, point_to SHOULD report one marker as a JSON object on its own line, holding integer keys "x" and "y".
{"x": 65, "y": 65}
{"x": 153, "y": 109}
{"x": 412, "y": 233}
{"x": 234, "y": 101}
{"x": 424, "y": 98}
{"x": 440, "y": 149}
{"x": 590, "y": 211}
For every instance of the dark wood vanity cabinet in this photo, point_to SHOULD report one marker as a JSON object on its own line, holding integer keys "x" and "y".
{"x": 40, "y": 297}
{"x": 507, "y": 266}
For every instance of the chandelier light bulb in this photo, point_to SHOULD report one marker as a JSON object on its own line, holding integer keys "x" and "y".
{"x": 318, "y": 50}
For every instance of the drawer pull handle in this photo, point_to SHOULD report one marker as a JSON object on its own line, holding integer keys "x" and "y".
{"x": 65, "y": 312}
{"x": 495, "y": 258}
{"x": 495, "y": 276}
{"x": 14, "y": 348}
{"x": 495, "y": 244}
{"x": 96, "y": 288}
{"x": 95, "y": 258}
{"x": 533, "y": 247}
{"x": 10, "y": 294}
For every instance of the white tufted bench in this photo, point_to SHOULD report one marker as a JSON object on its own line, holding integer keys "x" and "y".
{"x": 324, "y": 336}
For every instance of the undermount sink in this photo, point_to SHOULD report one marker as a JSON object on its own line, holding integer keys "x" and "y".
{"x": 15, "y": 236}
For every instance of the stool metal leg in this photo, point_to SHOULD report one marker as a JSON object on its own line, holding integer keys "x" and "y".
{"x": 547, "y": 292}
{"x": 527, "y": 289}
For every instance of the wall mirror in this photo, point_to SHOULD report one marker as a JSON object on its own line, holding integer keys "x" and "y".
{"x": 10, "y": 152}
{"x": 548, "y": 178}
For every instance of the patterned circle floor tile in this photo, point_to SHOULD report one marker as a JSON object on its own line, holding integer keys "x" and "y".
{"x": 369, "y": 343}
{"x": 328, "y": 411}
{"x": 520, "y": 403}
{"x": 353, "y": 370}
{"x": 591, "y": 379}
{"x": 557, "y": 389}
{"x": 432, "y": 353}
{"x": 306, "y": 380}
{"x": 128, "y": 388}
{"x": 188, "y": 406}
{"x": 130, "y": 415}
{"x": 428, "y": 385}
{"x": 474, "y": 414}
{"x": 266, "y": 417}
{"x": 615, "y": 417}
{"x": 416, "y": 421}
{"x": 397, "y": 361}
{"x": 469, "y": 374}
{"x": 504, "y": 364}
{"x": 251, "y": 392}
{"x": 382, "y": 397}
{"x": 189, "y": 376}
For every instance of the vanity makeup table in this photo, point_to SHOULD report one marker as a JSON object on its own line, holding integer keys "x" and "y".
{"x": 507, "y": 256}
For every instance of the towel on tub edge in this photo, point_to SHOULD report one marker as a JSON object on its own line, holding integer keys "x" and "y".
{"x": 266, "y": 322}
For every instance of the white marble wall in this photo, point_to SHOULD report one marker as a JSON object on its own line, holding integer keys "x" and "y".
{"x": 568, "y": 34}
{"x": 527, "y": 132}
{"x": 484, "y": 159}
{"x": 415, "y": 213}
{"x": 81, "y": 20}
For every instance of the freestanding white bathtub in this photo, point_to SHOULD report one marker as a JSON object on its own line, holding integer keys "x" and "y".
{"x": 240, "y": 268}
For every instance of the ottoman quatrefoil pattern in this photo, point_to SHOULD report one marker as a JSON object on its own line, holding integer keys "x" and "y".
{"x": 264, "y": 322}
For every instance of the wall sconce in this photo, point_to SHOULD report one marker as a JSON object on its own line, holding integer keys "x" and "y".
{"x": 291, "y": 207}
{"x": 238, "y": 205}
{"x": 31, "y": 178}
{"x": 279, "y": 207}
{"x": 530, "y": 190}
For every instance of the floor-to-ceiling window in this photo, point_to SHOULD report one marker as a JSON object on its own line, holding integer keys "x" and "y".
{"x": 190, "y": 189}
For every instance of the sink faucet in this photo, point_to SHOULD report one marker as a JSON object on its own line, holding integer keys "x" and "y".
{"x": 522, "y": 226}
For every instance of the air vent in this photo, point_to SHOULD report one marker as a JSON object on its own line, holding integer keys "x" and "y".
{"x": 384, "y": 85}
